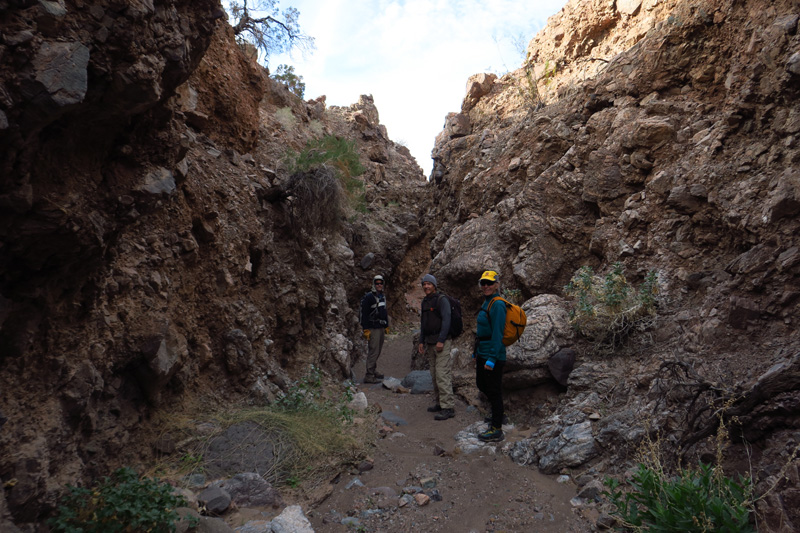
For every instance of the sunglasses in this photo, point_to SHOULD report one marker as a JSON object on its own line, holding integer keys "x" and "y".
{"x": 486, "y": 283}
{"x": 378, "y": 283}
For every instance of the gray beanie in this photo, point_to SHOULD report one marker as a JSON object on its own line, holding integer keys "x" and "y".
{"x": 429, "y": 277}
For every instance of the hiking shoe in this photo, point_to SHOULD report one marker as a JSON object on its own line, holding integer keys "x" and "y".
{"x": 435, "y": 409}
{"x": 445, "y": 414}
{"x": 378, "y": 375}
{"x": 492, "y": 435}
{"x": 488, "y": 419}
{"x": 371, "y": 379}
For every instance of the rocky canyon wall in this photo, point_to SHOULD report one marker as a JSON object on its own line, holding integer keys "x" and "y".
{"x": 153, "y": 255}
{"x": 662, "y": 136}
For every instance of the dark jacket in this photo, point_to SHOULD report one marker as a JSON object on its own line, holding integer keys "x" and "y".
{"x": 490, "y": 330}
{"x": 435, "y": 318}
{"x": 373, "y": 314}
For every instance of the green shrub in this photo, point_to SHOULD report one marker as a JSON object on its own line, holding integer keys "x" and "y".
{"x": 513, "y": 295}
{"x": 329, "y": 150}
{"x": 694, "y": 500}
{"x": 323, "y": 178}
{"x": 285, "y": 74}
{"x": 608, "y": 309}
{"x": 121, "y": 503}
{"x": 308, "y": 394}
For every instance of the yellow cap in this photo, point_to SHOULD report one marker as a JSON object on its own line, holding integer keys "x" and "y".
{"x": 491, "y": 275}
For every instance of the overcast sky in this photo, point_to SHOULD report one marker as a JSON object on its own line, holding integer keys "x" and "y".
{"x": 413, "y": 56}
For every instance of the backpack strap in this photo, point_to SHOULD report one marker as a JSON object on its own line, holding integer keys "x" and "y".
{"x": 494, "y": 300}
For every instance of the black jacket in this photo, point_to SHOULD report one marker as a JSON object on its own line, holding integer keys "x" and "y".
{"x": 435, "y": 320}
{"x": 373, "y": 314}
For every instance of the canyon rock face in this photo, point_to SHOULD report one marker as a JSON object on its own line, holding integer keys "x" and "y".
{"x": 154, "y": 250}
{"x": 665, "y": 140}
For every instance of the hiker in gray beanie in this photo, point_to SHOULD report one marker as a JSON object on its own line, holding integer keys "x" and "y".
{"x": 434, "y": 341}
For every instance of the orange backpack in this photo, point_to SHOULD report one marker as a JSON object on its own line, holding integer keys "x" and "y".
{"x": 516, "y": 320}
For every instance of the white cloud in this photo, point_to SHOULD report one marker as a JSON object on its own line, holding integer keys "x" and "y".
{"x": 413, "y": 56}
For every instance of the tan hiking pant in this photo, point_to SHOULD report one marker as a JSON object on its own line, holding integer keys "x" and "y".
{"x": 374, "y": 347}
{"x": 442, "y": 373}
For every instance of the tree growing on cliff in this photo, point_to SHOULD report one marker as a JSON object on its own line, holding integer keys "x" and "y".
{"x": 286, "y": 75}
{"x": 261, "y": 23}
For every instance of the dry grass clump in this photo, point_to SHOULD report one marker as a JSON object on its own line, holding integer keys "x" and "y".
{"x": 300, "y": 441}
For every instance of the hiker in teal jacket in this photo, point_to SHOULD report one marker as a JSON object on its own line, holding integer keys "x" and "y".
{"x": 490, "y": 353}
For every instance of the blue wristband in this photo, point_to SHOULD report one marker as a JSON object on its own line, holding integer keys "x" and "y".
{"x": 490, "y": 364}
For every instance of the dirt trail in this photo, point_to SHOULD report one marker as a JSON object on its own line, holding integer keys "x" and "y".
{"x": 480, "y": 491}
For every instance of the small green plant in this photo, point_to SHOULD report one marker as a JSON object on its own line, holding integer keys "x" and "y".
{"x": 513, "y": 295}
{"x": 123, "y": 503}
{"x": 308, "y": 394}
{"x": 549, "y": 72}
{"x": 286, "y": 118}
{"x": 697, "y": 499}
{"x": 191, "y": 462}
{"x": 694, "y": 500}
{"x": 285, "y": 74}
{"x": 528, "y": 88}
{"x": 607, "y": 309}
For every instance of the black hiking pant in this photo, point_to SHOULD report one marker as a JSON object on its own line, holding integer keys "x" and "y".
{"x": 490, "y": 382}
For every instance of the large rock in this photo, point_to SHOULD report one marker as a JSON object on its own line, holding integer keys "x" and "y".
{"x": 547, "y": 332}
{"x": 573, "y": 447}
{"x": 60, "y": 76}
{"x": 249, "y": 489}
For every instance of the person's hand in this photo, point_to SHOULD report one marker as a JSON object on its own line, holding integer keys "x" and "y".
{"x": 489, "y": 365}
{"x": 366, "y": 334}
{"x": 421, "y": 348}
{"x": 387, "y": 330}
{"x": 439, "y": 346}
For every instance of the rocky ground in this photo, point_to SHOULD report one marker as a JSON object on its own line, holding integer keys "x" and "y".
{"x": 480, "y": 490}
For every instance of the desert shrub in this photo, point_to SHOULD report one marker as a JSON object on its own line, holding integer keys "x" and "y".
{"x": 528, "y": 88}
{"x": 123, "y": 503}
{"x": 286, "y": 118}
{"x": 319, "y": 197}
{"x": 312, "y": 430}
{"x": 316, "y": 127}
{"x": 695, "y": 499}
{"x": 607, "y": 308}
{"x": 309, "y": 394}
{"x": 512, "y": 295}
{"x": 323, "y": 179}
{"x": 286, "y": 75}
{"x": 328, "y": 150}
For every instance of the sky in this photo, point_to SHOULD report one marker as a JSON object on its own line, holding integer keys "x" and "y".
{"x": 412, "y": 56}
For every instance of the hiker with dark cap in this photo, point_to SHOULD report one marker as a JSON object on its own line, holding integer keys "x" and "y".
{"x": 435, "y": 342}
{"x": 375, "y": 321}
{"x": 490, "y": 354}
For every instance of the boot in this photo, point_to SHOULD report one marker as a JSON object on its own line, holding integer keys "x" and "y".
{"x": 492, "y": 434}
{"x": 445, "y": 414}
